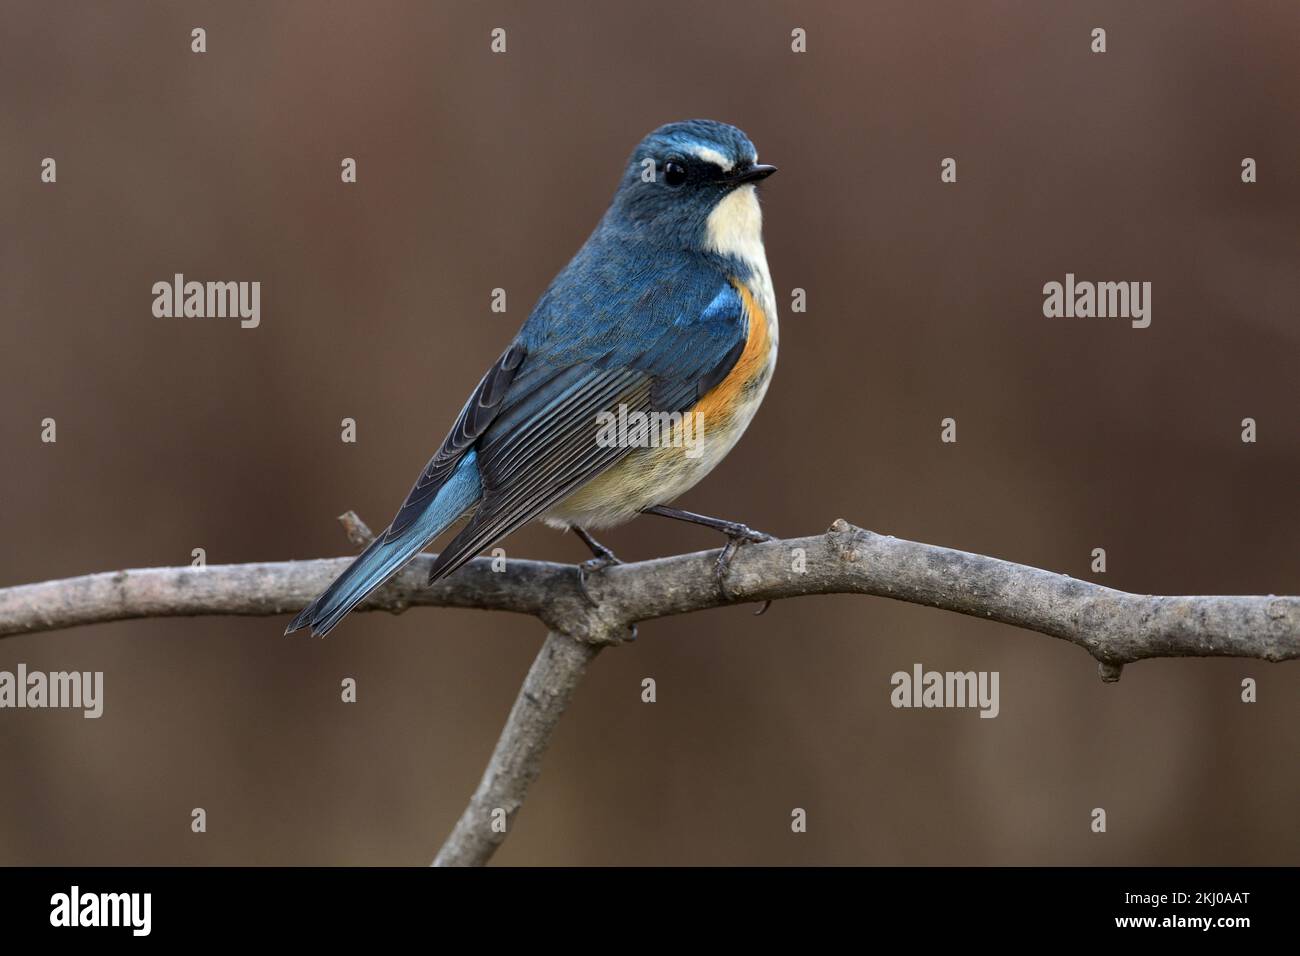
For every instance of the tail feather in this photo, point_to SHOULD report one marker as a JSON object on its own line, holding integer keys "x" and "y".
{"x": 368, "y": 571}
{"x": 383, "y": 558}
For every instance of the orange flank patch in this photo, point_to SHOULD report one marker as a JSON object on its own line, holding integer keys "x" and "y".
{"x": 719, "y": 403}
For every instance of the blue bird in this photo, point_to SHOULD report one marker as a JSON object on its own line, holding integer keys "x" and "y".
{"x": 635, "y": 374}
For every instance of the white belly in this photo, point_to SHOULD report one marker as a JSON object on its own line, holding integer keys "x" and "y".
{"x": 655, "y": 476}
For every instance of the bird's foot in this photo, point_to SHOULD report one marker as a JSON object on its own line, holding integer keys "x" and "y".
{"x": 594, "y": 566}
{"x": 737, "y": 534}
{"x": 602, "y": 559}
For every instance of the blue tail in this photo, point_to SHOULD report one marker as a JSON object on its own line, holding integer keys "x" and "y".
{"x": 384, "y": 558}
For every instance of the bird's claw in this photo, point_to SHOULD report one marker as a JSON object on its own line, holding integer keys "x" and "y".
{"x": 737, "y": 534}
{"x": 593, "y": 566}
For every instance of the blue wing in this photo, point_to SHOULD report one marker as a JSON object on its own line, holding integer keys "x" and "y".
{"x": 652, "y": 341}
{"x": 604, "y": 335}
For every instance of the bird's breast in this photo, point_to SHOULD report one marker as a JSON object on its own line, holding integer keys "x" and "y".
{"x": 735, "y": 399}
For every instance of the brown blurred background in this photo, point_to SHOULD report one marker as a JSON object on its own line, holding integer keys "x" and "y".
{"x": 924, "y": 301}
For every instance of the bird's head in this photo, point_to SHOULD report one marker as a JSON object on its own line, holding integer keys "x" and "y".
{"x": 691, "y": 185}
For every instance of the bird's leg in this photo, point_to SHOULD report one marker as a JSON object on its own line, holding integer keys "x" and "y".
{"x": 602, "y": 558}
{"x": 597, "y": 549}
{"x": 737, "y": 534}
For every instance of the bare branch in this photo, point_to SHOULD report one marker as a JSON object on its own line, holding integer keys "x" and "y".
{"x": 1115, "y": 627}
{"x": 550, "y": 685}
{"x": 265, "y": 589}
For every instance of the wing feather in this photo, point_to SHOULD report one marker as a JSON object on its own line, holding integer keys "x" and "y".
{"x": 478, "y": 414}
{"x": 528, "y": 470}
{"x": 535, "y": 428}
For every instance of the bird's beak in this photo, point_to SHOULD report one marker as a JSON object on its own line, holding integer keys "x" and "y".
{"x": 752, "y": 174}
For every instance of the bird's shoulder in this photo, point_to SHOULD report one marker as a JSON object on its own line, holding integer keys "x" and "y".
{"x": 614, "y": 302}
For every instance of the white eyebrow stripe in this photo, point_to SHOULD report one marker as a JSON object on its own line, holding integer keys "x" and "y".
{"x": 711, "y": 155}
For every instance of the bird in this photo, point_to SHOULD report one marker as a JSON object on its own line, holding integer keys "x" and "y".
{"x": 665, "y": 318}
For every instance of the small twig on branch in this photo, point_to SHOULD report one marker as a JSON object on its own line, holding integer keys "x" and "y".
{"x": 358, "y": 531}
{"x": 1115, "y": 627}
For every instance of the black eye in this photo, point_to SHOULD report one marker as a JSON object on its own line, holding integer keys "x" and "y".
{"x": 674, "y": 173}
